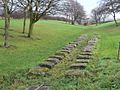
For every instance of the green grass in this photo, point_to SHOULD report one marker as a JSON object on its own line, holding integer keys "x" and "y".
{"x": 50, "y": 36}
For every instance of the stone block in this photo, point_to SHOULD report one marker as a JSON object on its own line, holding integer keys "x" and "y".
{"x": 82, "y": 60}
{"x": 47, "y": 64}
{"x": 57, "y": 56}
{"x": 78, "y": 66}
{"x": 84, "y": 57}
{"x": 53, "y": 60}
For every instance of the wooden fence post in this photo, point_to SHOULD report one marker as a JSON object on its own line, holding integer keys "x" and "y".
{"x": 118, "y": 57}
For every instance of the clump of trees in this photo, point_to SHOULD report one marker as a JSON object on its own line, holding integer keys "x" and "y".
{"x": 73, "y": 11}
{"x": 106, "y": 8}
{"x": 34, "y": 10}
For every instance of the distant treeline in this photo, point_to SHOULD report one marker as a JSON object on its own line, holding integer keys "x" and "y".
{"x": 20, "y": 15}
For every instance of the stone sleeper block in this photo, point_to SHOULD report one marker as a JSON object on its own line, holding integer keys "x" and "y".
{"x": 86, "y": 53}
{"x": 84, "y": 57}
{"x": 92, "y": 41}
{"x": 47, "y": 64}
{"x": 57, "y": 56}
{"x": 91, "y": 44}
{"x": 87, "y": 50}
{"x": 74, "y": 43}
{"x": 39, "y": 70}
{"x": 66, "y": 51}
{"x": 71, "y": 46}
{"x": 67, "y": 48}
{"x": 88, "y": 47}
{"x": 82, "y": 61}
{"x": 78, "y": 66}
{"x": 53, "y": 60}
{"x": 60, "y": 53}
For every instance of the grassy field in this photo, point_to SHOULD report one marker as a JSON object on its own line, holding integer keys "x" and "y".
{"x": 50, "y": 36}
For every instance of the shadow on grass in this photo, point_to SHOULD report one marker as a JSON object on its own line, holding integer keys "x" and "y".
{"x": 31, "y": 38}
{"x": 8, "y": 47}
{"x": 11, "y": 36}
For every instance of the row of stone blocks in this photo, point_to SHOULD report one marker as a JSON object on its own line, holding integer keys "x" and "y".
{"x": 42, "y": 68}
{"x": 82, "y": 59}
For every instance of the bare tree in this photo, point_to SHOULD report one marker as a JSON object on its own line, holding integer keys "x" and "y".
{"x": 95, "y": 15}
{"x": 24, "y": 5}
{"x": 1, "y": 9}
{"x": 65, "y": 10}
{"x": 6, "y": 23}
{"x": 112, "y": 7}
{"x": 38, "y": 9}
{"x": 11, "y": 6}
{"x": 73, "y": 10}
{"x": 77, "y": 11}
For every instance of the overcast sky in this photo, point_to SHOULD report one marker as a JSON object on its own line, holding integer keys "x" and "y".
{"x": 90, "y": 4}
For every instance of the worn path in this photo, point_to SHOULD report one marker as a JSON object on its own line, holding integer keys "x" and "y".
{"x": 74, "y": 58}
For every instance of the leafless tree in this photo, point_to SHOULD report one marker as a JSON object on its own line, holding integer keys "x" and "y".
{"x": 73, "y": 10}
{"x": 24, "y": 5}
{"x": 37, "y": 9}
{"x": 112, "y": 7}
{"x": 1, "y": 9}
{"x": 11, "y": 6}
{"x": 95, "y": 15}
{"x": 65, "y": 10}
{"x": 6, "y": 22}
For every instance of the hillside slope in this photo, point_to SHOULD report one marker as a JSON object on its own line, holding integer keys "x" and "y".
{"x": 50, "y": 36}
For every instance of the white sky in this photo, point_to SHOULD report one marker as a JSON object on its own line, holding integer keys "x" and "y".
{"x": 91, "y": 4}
{"x": 88, "y": 5}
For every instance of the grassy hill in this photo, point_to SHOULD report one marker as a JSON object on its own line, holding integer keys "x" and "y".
{"x": 50, "y": 36}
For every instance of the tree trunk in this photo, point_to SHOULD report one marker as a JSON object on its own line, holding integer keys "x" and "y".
{"x": 80, "y": 21}
{"x": 8, "y": 20}
{"x": 66, "y": 19}
{"x": 96, "y": 22}
{"x": 24, "y": 23}
{"x": 31, "y": 25}
{"x": 6, "y": 25}
{"x": 103, "y": 20}
{"x": 69, "y": 19}
{"x": 114, "y": 16}
{"x": 73, "y": 23}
